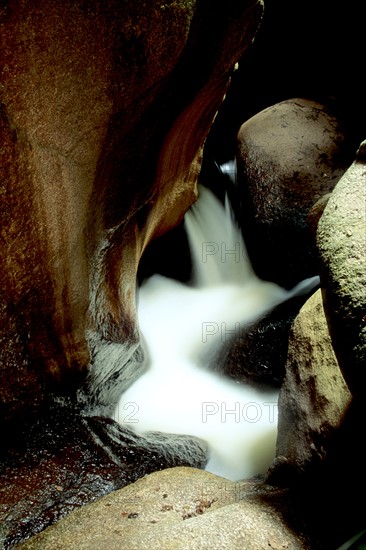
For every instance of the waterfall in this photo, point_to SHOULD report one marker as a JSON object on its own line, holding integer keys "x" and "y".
{"x": 183, "y": 325}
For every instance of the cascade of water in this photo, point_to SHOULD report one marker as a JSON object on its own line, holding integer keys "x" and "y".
{"x": 182, "y": 326}
{"x": 218, "y": 251}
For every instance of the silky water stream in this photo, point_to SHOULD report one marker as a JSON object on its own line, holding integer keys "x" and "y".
{"x": 182, "y": 327}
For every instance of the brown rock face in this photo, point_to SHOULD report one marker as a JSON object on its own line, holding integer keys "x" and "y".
{"x": 105, "y": 107}
{"x": 65, "y": 461}
{"x": 289, "y": 156}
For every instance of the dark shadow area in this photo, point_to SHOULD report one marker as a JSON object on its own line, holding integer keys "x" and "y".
{"x": 309, "y": 49}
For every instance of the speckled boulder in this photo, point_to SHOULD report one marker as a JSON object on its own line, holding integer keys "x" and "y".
{"x": 289, "y": 156}
{"x": 341, "y": 239}
{"x": 180, "y": 509}
{"x": 313, "y": 399}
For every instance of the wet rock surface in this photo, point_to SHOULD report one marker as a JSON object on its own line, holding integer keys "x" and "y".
{"x": 104, "y": 110}
{"x": 259, "y": 354}
{"x": 65, "y": 461}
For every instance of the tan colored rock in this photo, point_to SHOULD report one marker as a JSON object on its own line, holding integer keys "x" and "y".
{"x": 341, "y": 240}
{"x": 180, "y": 508}
{"x": 314, "y": 397}
{"x": 316, "y": 212}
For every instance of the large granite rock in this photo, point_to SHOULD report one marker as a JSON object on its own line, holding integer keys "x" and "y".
{"x": 105, "y": 107}
{"x": 289, "y": 156}
{"x": 341, "y": 240}
{"x": 181, "y": 508}
{"x": 319, "y": 450}
{"x": 313, "y": 399}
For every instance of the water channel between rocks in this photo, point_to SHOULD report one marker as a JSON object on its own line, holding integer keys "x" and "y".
{"x": 183, "y": 326}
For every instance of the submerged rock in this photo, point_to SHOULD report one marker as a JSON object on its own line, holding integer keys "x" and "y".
{"x": 258, "y": 355}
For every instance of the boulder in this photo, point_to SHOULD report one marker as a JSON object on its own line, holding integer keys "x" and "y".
{"x": 313, "y": 399}
{"x": 341, "y": 240}
{"x": 258, "y": 355}
{"x": 289, "y": 156}
{"x": 316, "y": 212}
{"x": 180, "y": 508}
{"x": 319, "y": 450}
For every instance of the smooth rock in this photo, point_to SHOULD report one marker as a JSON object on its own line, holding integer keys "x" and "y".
{"x": 180, "y": 508}
{"x": 258, "y": 355}
{"x": 105, "y": 108}
{"x": 289, "y": 156}
{"x": 313, "y": 399}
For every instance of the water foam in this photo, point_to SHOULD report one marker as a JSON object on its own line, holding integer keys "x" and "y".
{"x": 182, "y": 326}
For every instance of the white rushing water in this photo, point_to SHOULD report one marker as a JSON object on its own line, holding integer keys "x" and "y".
{"x": 182, "y": 326}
